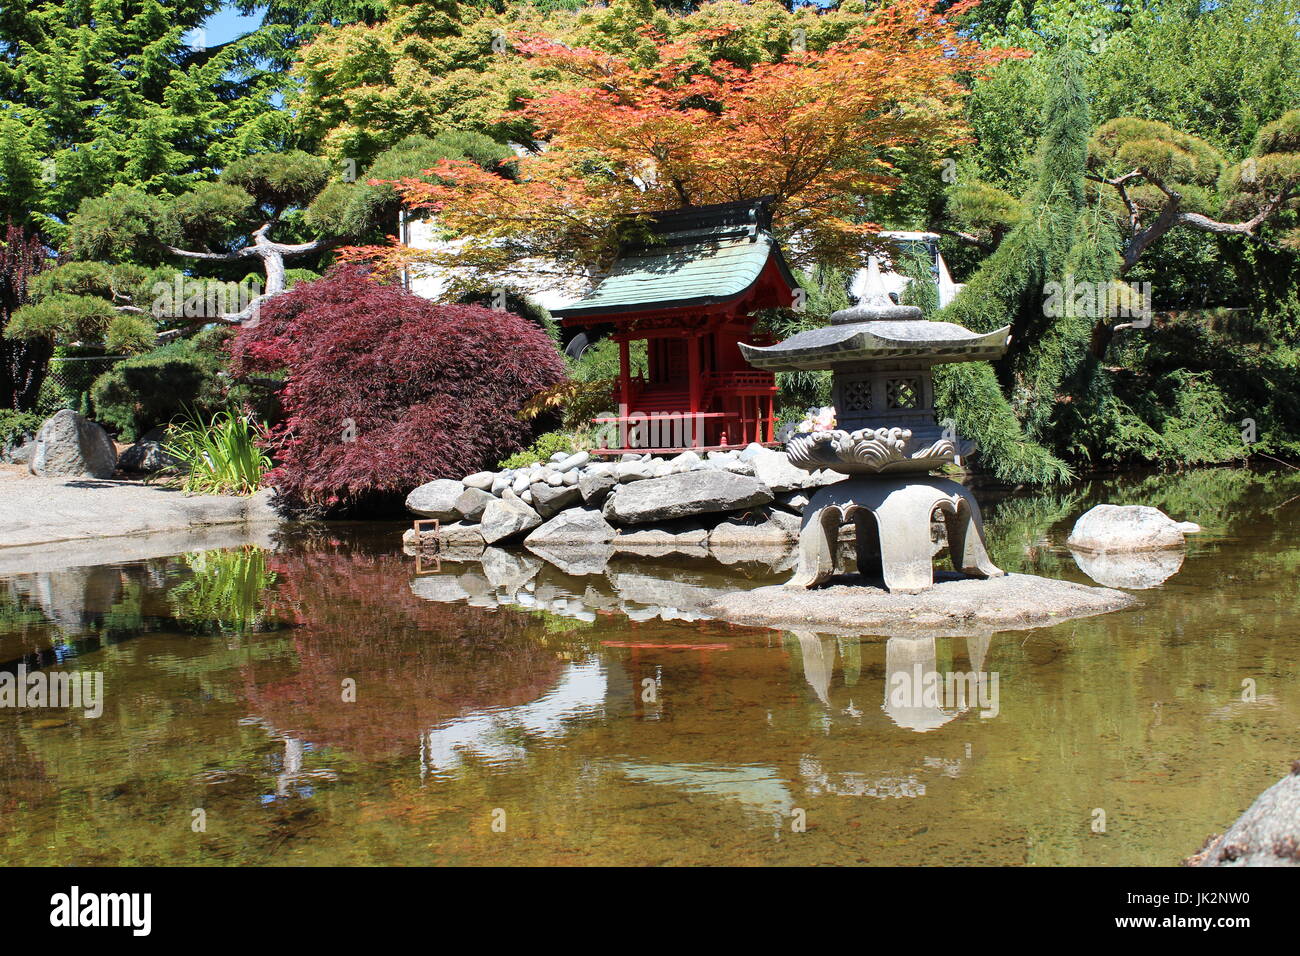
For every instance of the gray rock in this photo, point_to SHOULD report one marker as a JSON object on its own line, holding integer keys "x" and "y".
{"x": 734, "y": 534}
{"x": 147, "y": 454}
{"x": 737, "y": 467}
{"x": 576, "y": 460}
{"x": 1128, "y": 528}
{"x": 550, "y": 500}
{"x": 576, "y": 526}
{"x": 571, "y": 477}
{"x": 793, "y": 501}
{"x": 436, "y": 499}
{"x": 1267, "y": 834}
{"x": 595, "y": 485}
{"x": 684, "y": 495}
{"x": 471, "y": 503}
{"x": 70, "y": 446}
{"x": 505, "y": 518}
{"x": 790, "y": 524}
{"x": 773, "y": 469}
{"x": 482, "y": 480}
{"x": 628, "y": 471}
{"x": 19, "y": 451}
{"x": 455, "y": 536}
{"x": 501, "y": 483}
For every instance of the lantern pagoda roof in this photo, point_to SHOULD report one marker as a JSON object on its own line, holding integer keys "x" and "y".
{"x": 877, "y": 329}
{"x": 720, "y": 258}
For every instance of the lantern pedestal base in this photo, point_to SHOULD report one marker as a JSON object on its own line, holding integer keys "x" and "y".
{"x": 892, "y": 520}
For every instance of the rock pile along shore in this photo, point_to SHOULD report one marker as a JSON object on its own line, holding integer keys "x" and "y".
{"x": 690, "y": 503}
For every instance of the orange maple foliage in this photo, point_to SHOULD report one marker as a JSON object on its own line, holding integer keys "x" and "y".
{"x": 819, "y": 131}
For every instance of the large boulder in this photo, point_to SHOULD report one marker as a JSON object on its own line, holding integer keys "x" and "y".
{"x": 70, "y": 446}
{"x": 595, "y": 485}
{"x": 684, "y": 495}
{"x": 550, "y": 500}
{"x": 436, "y": 499}
{"x": 1128, "y": 528}
{"x": 471, "y": 503}
{"x": 578, "y": 526}
{"x": 147, "y": 454}
{"x": 1267, "y": 834}
{"x": 505, "y": 518}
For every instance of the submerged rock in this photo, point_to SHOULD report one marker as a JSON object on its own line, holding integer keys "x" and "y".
{"x": 1128, "y": 528}
{"x": 70, "y": 446}
{"x": 1267, "y": 834}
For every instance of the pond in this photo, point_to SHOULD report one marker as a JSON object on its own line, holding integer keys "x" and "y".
{"x": 323, "y": 701}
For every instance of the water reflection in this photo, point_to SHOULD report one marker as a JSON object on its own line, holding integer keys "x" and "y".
{"x": 616, "y": 723}
{"x": 1132, "y": 570}
{"x": 492, "y": 735}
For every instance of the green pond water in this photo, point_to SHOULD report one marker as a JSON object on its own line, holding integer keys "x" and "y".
{"x": 515, "y": 712}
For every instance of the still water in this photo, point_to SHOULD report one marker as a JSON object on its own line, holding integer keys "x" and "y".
{"x": 321, "y": 701}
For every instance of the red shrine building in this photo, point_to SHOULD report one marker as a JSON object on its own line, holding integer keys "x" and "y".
{"x": 689, "y": 292}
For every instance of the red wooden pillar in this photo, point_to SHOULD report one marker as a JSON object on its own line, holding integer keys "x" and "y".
{"x": 693, "y": 372}
{"x": 624, "y": 377}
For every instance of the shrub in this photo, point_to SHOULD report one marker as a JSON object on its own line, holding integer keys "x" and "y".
{"x": 546, "y": 446}
{"x": 387, "y": 390}
{"x": 147, "y": 390}
{"x": 14, "y": 426}
{"x": 219, "y": 455}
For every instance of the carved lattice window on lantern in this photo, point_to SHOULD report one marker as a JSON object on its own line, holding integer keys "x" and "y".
{"x": 857, "y": 395}
{"x": 903, "y": 393}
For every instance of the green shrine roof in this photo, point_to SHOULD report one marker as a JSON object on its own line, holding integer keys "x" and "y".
{"x": 699, "y": 256}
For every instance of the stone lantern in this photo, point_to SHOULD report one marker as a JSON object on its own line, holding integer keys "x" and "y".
{"x": 886, "y": 440}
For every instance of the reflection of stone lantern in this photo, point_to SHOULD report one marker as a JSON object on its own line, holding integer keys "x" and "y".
{"x": 880, "y": 356}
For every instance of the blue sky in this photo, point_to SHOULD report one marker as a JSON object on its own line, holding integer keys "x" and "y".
{"x": 224, "y": 25}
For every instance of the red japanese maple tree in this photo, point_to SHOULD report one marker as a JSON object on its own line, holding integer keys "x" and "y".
{"x": 387, "y": 390}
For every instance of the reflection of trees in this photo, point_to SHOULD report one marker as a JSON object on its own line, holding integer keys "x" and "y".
{"x": 227, "y": 590}
{"x": 414, "y": 662}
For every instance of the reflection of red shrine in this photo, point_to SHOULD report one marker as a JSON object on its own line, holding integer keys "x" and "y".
{"x": 689, "y": 294}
